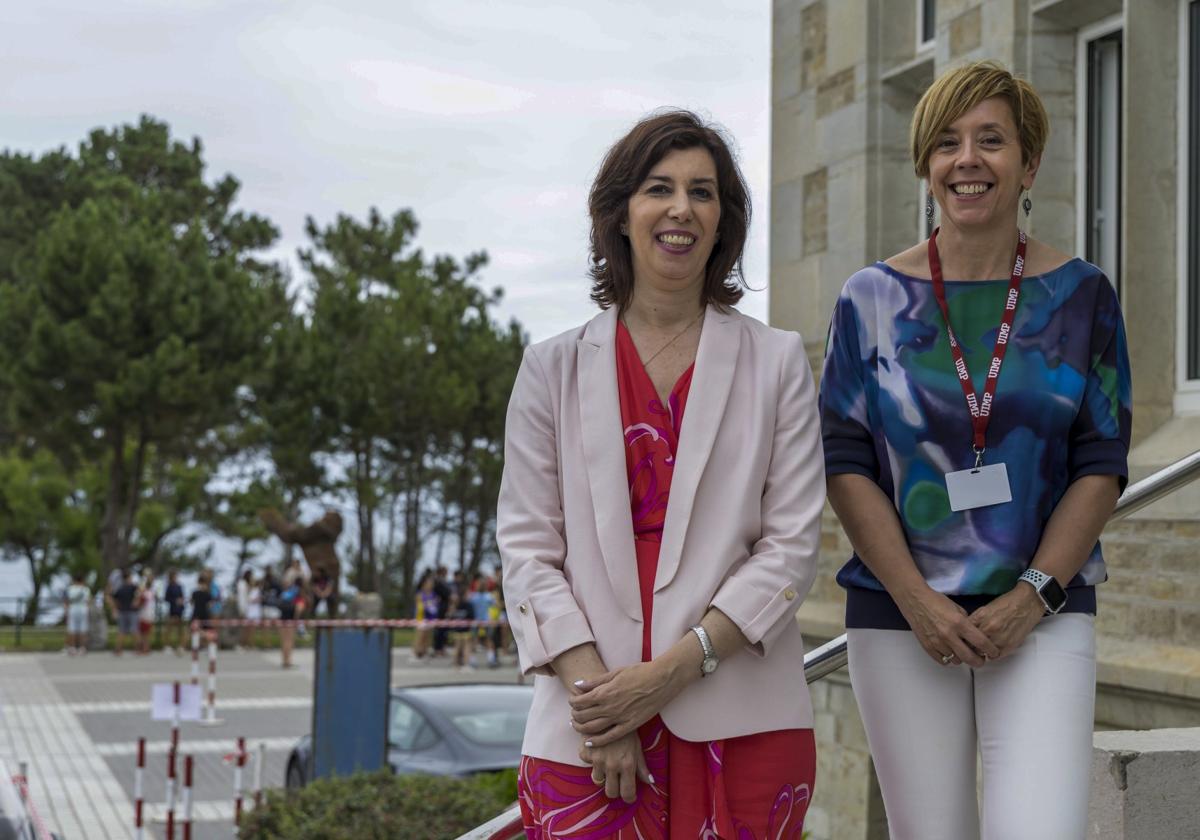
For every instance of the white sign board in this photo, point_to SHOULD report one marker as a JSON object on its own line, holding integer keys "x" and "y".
{"x": 162, "y": 701}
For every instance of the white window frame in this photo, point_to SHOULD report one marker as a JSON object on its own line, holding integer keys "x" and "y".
{"x": 1086, "y": 35}
{"x": 922, "y": 44}
{"x": 1187, "y": 391}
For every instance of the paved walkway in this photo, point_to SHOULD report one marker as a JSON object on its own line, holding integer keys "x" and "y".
{"x": 76, "y": 721}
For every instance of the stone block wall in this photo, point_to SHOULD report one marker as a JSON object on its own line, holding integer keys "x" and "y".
{"x": 1153, "y": 591}
{"x": 846, "y": 76}
{"x": 1144, "y": 785}
{"x": 818, "y": 178}
{"x": 846, "y": 803}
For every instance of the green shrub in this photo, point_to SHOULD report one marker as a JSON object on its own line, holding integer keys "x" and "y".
{"x": 382, "y": 805}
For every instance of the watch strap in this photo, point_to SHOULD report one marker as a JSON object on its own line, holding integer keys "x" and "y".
{"x": 710, "y": 653}
{"x": 1039, "y": 580}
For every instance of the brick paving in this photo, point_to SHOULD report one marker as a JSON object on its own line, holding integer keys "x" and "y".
{"x": 76, "y": 721}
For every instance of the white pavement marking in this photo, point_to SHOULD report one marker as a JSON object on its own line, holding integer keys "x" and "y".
{"x": 168, "y": 675}
{"x": 194, "y": 747}
{"x": 71, "y": 786}
{"x": 209, "y": 810}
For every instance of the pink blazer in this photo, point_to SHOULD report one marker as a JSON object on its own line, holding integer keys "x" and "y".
{"x": 742, "y": 527}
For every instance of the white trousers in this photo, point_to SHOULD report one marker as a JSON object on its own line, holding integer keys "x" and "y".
{"x": 1030, "y": 715}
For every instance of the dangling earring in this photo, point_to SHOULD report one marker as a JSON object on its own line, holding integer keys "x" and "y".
{"x": 929, "y": 206}
{"x": 1027, "y": 205}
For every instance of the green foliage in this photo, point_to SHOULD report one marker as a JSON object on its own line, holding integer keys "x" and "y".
{"x": 382, "y": 805}
{"x": 235, "y": 514}
{"x": 415, "y": 378}
{"x": 147, "y": 349}
{"x": 283, "y": 419}
{"x": 41, "y": 520}
{"x": 134, "y": 311}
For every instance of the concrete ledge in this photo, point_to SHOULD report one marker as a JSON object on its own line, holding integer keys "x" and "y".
{"x": 1160, "y": 669}
{"x": 821, "y": 621}
{"x": 1144, "y": 785}
{"x": 1173, "y": 440}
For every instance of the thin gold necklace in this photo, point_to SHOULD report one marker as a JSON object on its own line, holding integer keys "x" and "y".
{"x": 676, "y": 337}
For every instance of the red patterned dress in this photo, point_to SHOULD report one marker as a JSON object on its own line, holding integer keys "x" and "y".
{"x": 750, "y": 788}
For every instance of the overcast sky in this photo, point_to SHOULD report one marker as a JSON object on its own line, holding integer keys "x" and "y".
{"x": 487, "y": 119}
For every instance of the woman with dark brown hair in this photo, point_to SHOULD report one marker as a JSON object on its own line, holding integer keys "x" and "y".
{"x": 658, "y": 516}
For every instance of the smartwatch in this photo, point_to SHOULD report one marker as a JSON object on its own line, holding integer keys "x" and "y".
{"x": 710, "y": 662}
{"x": 1054, "y": 598}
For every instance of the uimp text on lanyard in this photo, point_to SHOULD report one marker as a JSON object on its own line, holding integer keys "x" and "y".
{"x": 981, "y": 485}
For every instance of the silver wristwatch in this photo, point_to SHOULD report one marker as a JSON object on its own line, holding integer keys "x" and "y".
{"x": 710, "y": 662}
{"x": 1049, "y": 590}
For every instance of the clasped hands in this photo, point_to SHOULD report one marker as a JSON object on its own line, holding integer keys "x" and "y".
{"x": 951, "y": 636}
{"x": 606, "y": 712}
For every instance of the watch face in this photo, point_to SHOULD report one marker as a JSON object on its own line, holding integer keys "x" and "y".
{"x": 1053, "y": 595}
{"x": 709, "y": 666}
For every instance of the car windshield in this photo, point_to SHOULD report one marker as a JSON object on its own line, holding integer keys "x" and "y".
{"x": 488, "y": 715}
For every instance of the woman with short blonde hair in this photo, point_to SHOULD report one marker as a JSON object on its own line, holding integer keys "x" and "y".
{"x": 975, "y": 410}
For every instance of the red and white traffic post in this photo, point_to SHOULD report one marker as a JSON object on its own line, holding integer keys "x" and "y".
{"x": 210, "y": 709}
{"x": 259, "y": 760}
{"x": 239, "y": 763}
{"x": 139, "y": 774}
{"x": 175, "y": 692}
{"x": 170, "y": 804}
{"x": 187, "y": 798}
{"x": 195, "y": 654}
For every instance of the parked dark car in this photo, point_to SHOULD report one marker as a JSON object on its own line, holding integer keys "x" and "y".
{"x": 443, "y": 730}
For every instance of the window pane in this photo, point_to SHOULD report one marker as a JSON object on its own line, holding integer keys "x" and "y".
{"x": 403, "y": 725}
{"x": 494, "y": 727}
{"x": 1193, "y": 264}
{"x": 1104, "y": 155}
{"x": 928, "y": 19}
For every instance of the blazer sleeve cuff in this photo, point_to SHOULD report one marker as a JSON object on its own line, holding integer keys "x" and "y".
{"x": 761, "y": 622}
{"x": 539, "y": 644}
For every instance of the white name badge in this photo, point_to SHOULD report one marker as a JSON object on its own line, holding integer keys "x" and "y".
{"x": 978, "y": 487}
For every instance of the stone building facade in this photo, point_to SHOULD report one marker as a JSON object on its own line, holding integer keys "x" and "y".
{"x": 1119, "y": 185}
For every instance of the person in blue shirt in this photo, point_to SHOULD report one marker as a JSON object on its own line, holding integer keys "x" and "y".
{"x": 975, "y": 411}
{"x": 483, "y": 601}
{"x": 176, "y": 601}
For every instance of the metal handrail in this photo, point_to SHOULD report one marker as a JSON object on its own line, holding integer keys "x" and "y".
{"x": 507, "y": 826}
{"x": 831, "y": 656}
{"x": 1156, "y": 485}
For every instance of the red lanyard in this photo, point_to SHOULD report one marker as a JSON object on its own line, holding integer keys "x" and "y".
{"x": 981, "y": 410}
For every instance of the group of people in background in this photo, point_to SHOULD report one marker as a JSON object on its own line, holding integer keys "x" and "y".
{"x": 442, "y": 596}
{"x": 136, "y": 601}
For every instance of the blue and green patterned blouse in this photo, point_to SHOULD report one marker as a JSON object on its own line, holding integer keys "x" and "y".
{"x": 892, "y": 410}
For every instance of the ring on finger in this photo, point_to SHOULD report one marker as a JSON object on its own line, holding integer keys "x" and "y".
{"x": 947, "y": 658}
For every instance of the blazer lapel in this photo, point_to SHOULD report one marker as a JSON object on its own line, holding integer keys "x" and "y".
{"x": 712, "y": 380}
{"x": 604, "y": 453}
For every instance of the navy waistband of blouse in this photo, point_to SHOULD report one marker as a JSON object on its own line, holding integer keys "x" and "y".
{"x": 874, "y": 609}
